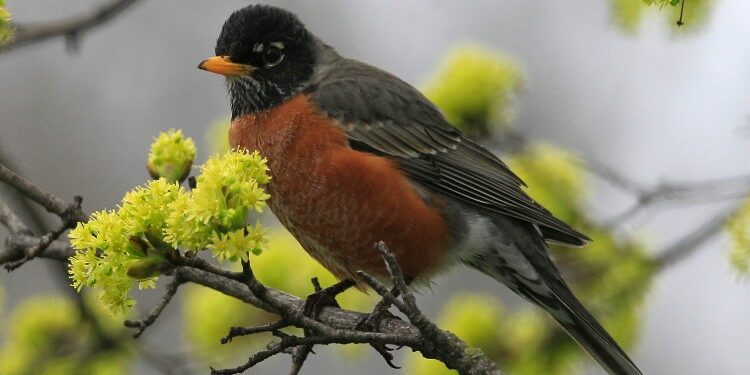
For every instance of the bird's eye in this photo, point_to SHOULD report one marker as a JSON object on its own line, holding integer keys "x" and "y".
{"x": 272, "y": 56}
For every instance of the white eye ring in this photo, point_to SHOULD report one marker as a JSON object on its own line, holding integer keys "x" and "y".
{"x": 270, "y": 58}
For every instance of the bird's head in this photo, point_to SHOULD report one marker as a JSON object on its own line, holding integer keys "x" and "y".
{"x": 266, "y": 54}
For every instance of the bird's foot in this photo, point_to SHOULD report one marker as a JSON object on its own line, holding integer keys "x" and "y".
{"x": 371, "y": 323}
{"x": 322, "y": 298}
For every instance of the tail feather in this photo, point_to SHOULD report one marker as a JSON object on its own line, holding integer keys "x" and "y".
{"x": 521, "y": 261}
{"x": 573, "y": 317}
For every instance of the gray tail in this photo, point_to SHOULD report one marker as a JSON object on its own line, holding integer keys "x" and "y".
{"x": 524, "y": 265}
{"x": 573, "y": 317}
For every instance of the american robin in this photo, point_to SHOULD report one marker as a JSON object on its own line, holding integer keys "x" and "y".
{"x": 359, "y": 156}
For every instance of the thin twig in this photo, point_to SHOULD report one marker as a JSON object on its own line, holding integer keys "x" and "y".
{"x": 299, "y": 356}
{"x": 666, "y": 192}
{"x": 612, "y": 176}
{"x": 10, "y": 220}
{"x": 69, "y": 221}
{"x": 16, "y": 246}
{"x": 71, "y": 28}
{"x": 287, "y": 342}
{"x": 50, "y": 202}
{"x": 682, "y": 12}
{"x": 687, "y": 245}
{"x": 244, "y": 331}
{"x": 149, "y": 319}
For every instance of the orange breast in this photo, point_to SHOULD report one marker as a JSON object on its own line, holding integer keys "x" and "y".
{"x": 339, "y": 202}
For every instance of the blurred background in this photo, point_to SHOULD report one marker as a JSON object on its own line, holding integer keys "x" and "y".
{"x": 603, "y": 81}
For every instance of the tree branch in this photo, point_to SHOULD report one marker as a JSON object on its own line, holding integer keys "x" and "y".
{"x": 71, "y": 28}
{"x": 337, "y": 326}
{"x": 666, "y": 192}
{"x": 10, "y": 220}
{"x": 18, "y": 245}
{"x": 49, "y": 201}
{"x": 144, "y": 323}
{"x": 687, "y": 245}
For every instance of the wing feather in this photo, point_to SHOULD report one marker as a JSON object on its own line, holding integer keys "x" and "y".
{"x": 384, "y": 115}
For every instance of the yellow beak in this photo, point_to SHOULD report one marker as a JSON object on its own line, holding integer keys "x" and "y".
{"x": 223, "y": 65}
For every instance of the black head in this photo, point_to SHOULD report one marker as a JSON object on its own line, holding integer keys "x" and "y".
{"x": 267, "y": 55}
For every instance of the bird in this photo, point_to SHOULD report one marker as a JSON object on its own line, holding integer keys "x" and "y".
{"x": 357, "y": 156}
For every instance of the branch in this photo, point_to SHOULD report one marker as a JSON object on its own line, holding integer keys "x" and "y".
{"x": 71, "y": 28}
{"x": 144, "y": 323}
{"x": 336, "y": 326}
{"x": 18, "y": 245}
{"x": 50, "y": 202}
{"x": 687, "y": 245}
{"x": 333, "y": 325}
{"x": 646, "y": 197}
{"x": 10, "y": 220}
{"x": 244, "y": 331}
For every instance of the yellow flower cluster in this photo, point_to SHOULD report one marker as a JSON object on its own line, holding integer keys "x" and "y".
{"x": 214, "y": 214}
{"x": 171, "y": 156}
{"x": 117, "y": 248}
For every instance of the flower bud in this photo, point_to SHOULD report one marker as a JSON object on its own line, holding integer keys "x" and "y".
{"x": 171, "y": 156}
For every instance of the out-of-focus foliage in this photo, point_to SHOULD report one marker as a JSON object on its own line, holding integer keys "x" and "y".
{"x": 475, "y": 88}
{"x": 6, "y": 31}
{"x": 171, "y": 156}
{"x": 46, "y": 335}
{"x": 628, "y": 14}
{"x": 739, "y": 232}
{"x": 217, "y": 136}
{"x": 555, "y": 178}
{"x": 286, "y": 266}
{"x": 119, "y": 247}
{"x": 661, "y": 3}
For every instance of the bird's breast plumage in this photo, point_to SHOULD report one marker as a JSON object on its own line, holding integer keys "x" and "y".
{"x": 339, "y": 202}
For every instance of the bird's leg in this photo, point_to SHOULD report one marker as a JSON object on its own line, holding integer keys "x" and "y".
{"x": 314, "y": 303}
{"x": 371, "y": 323}
{"x": 321, "y": 298}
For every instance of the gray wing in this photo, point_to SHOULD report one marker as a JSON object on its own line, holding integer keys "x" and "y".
{"x": 384, "y": 115}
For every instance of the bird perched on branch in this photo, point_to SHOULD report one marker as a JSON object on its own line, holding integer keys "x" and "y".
{"x": 357, "y": 156}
